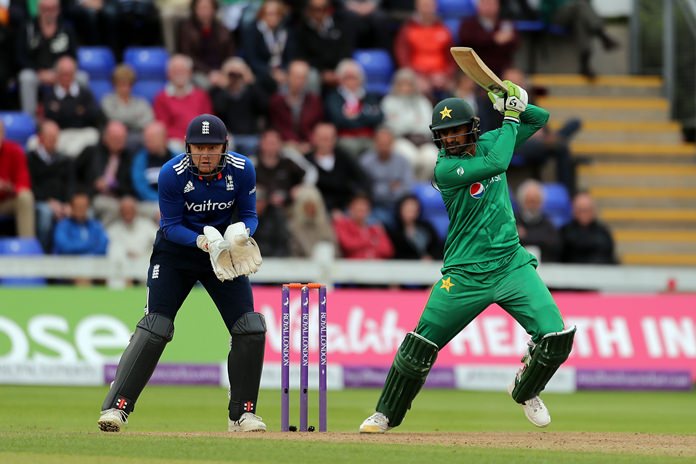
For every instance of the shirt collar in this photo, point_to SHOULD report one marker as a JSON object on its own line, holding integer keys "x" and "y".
{"x": 73, "y": 90}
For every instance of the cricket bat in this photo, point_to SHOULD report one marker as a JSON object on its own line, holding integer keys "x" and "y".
{"x": 476, "y": 69}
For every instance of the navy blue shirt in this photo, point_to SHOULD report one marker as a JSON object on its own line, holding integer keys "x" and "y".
{"x": 188, "y": 202}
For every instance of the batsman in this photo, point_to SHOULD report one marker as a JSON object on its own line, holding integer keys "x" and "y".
{"x": 484, "y": 262}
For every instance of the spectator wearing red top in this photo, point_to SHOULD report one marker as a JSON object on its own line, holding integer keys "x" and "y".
{"x": 357, "y": 238}
{"x": 494, "y": 39}
{"x": 16, "y": 197}
{"x": 294, "y": 111}
{"x": 180, "y": 101}
{"x": 423, "y": 44}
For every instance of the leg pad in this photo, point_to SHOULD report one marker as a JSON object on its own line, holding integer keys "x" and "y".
{"x": 245, "y": 363}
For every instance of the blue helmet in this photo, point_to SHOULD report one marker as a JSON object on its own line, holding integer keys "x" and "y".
{"x": 206, "y": 129}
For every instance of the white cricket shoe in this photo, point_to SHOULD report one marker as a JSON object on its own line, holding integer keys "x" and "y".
{"x": 376, "y": 423}
{"x": 112, "y": 420}
{"x": 534, "y": 409}
{"x": 249, "y": 422}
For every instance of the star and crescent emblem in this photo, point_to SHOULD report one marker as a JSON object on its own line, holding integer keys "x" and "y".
{"x": 446, "y": 113}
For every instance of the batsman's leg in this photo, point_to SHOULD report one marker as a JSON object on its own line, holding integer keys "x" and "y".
{"x": 135, "y": 368}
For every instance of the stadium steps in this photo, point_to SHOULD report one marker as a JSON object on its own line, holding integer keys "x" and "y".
{"x": 633, "y": 161}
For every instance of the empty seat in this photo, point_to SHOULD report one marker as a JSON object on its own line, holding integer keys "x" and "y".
{"x": 453, "y": 26}
{"x": 378, "y": 67}
{"x": 148, "y": 89}
{"x": 430, "y": 199}
{"x": 557, "y": 204}
{"x": 441, "y": 225}
{"x": 18, "y": 126}
{"x": 149, "y": 63}
{"x": 16, "y": 246}
{"x": 98, "y": 62}
{"x": 100, "y": 88}
{"x": 456, "y": 8}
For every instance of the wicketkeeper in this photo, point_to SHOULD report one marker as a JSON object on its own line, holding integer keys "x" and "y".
{"x": 198, "y": 192}
{"x": 484, "y": 262}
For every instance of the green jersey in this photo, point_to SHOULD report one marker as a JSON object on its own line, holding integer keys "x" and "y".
{"x": 474, "y": 188}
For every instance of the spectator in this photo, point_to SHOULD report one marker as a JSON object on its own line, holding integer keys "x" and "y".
{"x": 139, "y": 25}
{"x": 8, "y": 62}
{"x": 390, "y": 174}
{"x": 372, "y": 25}
{"x": 408, "y": 113}
{"x": 413, "y": 238}
{"x": 103, "y": 171}
{"x": 309, "y": 224}
{"x": 272, "y": 234}
{"x": 78, "y": 234}
{"x": 354, "y": 112}
{"x": 340, "y": 177}
{"x": 16, "y": 197}
{"x": 205, "y": 39}
{"x": 533, "y": 225}
{"x": 423, "y": 44}
{"x": 324, "y": 39}
{"x": 280, "y": 173}
{"x": 266, "y": 45}
{"x": 357, "y": 238}
{"x": 494, "y": 39}
{"x": 580, "y": 17}
{"x": 585, "y": 239}
{"x": 96, "y": 22}
{"x": 241, "y": 103}
{"x": 73, "y": 107}
{"x": 172, "y": 13}
{"x": 180, "y": 101}
{"x": 51, "y": 180}
{"x": 296, "y": 110}
{"x": 39, "y": 45}
{"x": 121, "y": 105}
{"x": 131, "y": 236}
{"x": 146, "y": 167}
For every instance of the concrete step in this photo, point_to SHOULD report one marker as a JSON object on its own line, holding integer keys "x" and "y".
{"x": 623, "y": 248}
{"x": 640, "y": 175}
{"x": 606, "y": 108}
{"x": 607, "y": 151}
{"x": 562, "y": 85}
{"x": 649, "y": 218}
{"x": 644, "y": 197}
{"x": 659, "y": 259}
{"x": 600, "y": 131}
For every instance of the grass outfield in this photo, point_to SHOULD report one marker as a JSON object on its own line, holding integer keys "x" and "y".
{"x": 175, "y": 424}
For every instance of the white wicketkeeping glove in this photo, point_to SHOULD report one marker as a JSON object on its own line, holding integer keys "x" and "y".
{"x": 213, "y": 242}
{"x": 246, "y": 256}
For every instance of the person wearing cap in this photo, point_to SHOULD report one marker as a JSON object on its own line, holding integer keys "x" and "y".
{"x": 200, "y": 192}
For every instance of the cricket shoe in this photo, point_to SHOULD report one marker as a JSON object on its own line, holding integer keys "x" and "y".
{"x": 112, "y": 420}
{"x": 376, "y": 423}
{"x": 249, "y": 422}
{"x": 534, "y": 409}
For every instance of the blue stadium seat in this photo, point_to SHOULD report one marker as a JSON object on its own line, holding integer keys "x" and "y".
{"x": 148, "y": 89}
{"x": 378, "y": 67}
{"x": 430, "y": 199}
{"x": 21, "y": 247}
{"x": 98, "y": 62}
{"x": 453, "y": 26}
{"x": 100, "y": 88}
{"x": 441, "y": 224}
{"x": 557, "y": 204}
{"x": 456, "y": 8}
{"x": 18, "y": 126}
{"x": 149, "y": 63}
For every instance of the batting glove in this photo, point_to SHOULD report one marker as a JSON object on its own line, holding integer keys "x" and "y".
{"x": 498, "y": 102}
{"x": 244, "y": 251}
{"x": 515, "y": 102}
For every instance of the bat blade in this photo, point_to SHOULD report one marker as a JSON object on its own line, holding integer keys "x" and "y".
{"x": 474, "y": 67}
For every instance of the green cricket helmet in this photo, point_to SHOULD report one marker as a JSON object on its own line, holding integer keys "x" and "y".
{"x": 455, "y": 112}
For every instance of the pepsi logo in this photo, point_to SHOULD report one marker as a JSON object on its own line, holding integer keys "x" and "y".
{"x": 476, "y": 190}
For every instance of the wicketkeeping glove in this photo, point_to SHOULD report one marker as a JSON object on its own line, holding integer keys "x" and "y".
{"x": 245, "y": 253}
{"x": 515, "y": 102}
{"x": 213, "y": 242}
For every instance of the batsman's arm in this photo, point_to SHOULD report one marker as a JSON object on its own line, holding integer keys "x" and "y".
{"x": 531, "y": 120}
{"x": 171, "y": 204}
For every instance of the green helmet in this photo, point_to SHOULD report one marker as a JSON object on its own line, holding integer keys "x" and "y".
{"x": 453, "y": 112}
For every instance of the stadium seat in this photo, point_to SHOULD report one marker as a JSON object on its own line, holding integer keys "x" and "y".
{"x": 430, "y": 199}
{"x": 453, "y": 26}
{"x": 100, "y": 88}
{"x": 441, "y": 224}
{"x": 21, "y": 247}
{"x": 98, "y": 62}
{"x": 557, "y": 204}
{"x": 18, "y": 126}
{"x": 456, "y": 8}
{"x": 148, "y": 89}
{"x": 378, "y": 67}
{"x": 149, "y": 63}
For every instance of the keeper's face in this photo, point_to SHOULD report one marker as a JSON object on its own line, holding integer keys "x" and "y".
{"x": 206, "y": 157}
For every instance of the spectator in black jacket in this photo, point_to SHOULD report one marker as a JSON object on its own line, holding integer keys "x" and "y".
{"x": 585, "y": 239}
{"x": 412, "y": 237}
{"x": 272, "y": 234}
{"x": 51, "y": 181}
{"x": 533, "y": 225}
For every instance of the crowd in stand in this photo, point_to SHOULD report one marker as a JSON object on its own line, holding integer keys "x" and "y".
{"x": 335, "y": 162}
